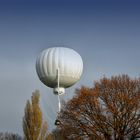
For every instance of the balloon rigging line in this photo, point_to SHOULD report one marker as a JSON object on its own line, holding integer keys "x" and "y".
{"x": 59, "y": 103}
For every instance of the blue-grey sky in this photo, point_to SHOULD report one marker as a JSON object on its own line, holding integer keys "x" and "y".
{"x": 106, "y": 33}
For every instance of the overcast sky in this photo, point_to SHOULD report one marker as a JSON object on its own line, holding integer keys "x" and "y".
{"x": 106, "y": 33}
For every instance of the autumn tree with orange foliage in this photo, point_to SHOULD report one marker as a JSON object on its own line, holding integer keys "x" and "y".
{"x": 108, "y": 111}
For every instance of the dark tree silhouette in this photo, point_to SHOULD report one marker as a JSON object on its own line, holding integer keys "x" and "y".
{"x": 10, "y": 136}
{"x": 108, "y": 111}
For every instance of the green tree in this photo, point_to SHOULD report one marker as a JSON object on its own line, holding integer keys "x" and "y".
{"x": 108, "y": 111}
{"x": 34, "y": 127}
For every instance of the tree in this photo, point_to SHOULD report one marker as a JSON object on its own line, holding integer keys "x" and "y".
{"x": 34, "y": 127}
{"x": 56, "y": 135}
{"x": 108, "y": 111}
{"x": 10, "y": 136}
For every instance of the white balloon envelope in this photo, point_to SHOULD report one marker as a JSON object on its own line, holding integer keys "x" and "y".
{"x": 59, "y": 68}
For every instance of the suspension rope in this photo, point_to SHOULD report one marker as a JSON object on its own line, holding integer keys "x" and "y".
{"x": 57, "y": 122}
{"x": 59, "y": 103}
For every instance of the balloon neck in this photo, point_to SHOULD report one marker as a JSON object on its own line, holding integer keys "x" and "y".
{"x": 59, "y": 91}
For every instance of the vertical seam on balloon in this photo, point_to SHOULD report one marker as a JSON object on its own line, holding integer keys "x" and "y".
{"x": 37, "y": 69}
{"x": 41, "y": 64}
{"x": 54, "y": 60}
{"x": 48, "y": 55}
{"x": 44, "y": 63}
